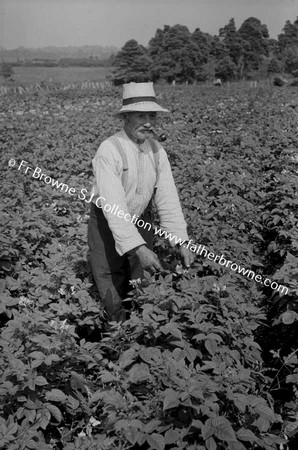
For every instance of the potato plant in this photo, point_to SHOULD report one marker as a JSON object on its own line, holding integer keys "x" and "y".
{"x": 208, "y": 357}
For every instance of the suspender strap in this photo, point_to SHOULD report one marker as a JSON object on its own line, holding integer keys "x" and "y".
{"x": 122, "y": 153}
{"x": 154, "y": 147}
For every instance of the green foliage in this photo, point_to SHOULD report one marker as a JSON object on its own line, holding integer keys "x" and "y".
{"x": 203, "y": 42}
{"x": 289, "y": 37}
{"x": 290, "y": 59}
{"x": 256, "y": 33}
{"x": 254, "y": 37}
{"x": 176, "y": 54}
{"x": 6, "y": 71}
{"x": 233, "y": 42}
{"x": 208, "y": 358}
{"x": 226, "y": 69}
{"x": 287, "y": 43}
{"x": 294, "y": 82}
{"x": 274, "y": 66}
{"x": 132, "y": 64}
{"x": 173, "y": 54}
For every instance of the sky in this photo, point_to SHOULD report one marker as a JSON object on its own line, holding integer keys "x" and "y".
{"x": 41, "y": 23}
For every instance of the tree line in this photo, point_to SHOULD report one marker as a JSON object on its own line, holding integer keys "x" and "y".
{"x": 176, "y": 54}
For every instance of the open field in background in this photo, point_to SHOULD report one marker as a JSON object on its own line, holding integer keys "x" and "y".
{"x": 63, "y": 75}
{"x": 208, "y": 359}
{"x": 27, "y": 76}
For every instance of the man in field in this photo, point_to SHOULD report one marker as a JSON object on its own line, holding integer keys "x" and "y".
{"x": 131, "y": 171}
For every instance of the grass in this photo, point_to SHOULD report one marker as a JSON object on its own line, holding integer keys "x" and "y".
{"x": 30, "y": 75}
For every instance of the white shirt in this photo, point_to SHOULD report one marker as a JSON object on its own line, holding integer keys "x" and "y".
{"x": 108, "y": 191}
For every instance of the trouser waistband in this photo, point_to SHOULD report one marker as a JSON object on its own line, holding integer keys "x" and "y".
{"x": 146, "y": 213}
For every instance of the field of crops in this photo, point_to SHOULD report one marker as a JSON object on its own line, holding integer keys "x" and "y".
{"x": 30, "y": 75}
{"x": 208, "y": 359}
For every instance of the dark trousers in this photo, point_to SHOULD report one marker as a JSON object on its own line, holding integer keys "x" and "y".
{"x": 112, "y": 272}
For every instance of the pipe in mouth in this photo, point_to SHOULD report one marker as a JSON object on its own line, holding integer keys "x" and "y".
{"x": 160, "y": 137}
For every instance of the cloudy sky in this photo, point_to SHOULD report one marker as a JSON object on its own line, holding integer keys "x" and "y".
{"x": 40, "y": 23}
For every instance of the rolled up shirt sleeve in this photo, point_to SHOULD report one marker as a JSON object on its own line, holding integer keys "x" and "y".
{"x": 167, "y": 203}
{"x": 107, "y": 168}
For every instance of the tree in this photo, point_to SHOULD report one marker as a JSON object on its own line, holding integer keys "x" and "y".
{"x": 226, "y": 69}
{"x": 218, "y": 49}
{"x": 274, "y": 66}
{"x": 6, "y": 71}
{"x": 254, "y": 36}
{"x": 174, "y": 55}
{"x": 207, "y": 70}
{"x": 288, "y": 46}
{"x": 289, "y": 37}
{"x": 233, "y": 42}
{"x": 290, "y": 59}
{"x": 204, "y": 43}
{"x": 132, "y": 64}
{"x": 188, "y": 63}
{"x": 273, "y": 47}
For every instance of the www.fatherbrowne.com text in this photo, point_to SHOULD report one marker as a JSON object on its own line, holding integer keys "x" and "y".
{"x": 198, "y": 249}
{"x": 221, "y": 260}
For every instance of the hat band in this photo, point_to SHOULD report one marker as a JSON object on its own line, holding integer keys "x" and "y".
{"x": 131, "y": 100}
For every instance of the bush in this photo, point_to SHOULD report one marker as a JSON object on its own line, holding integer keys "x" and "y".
{"x": 6, "y": 71}
{"x": 278, "y": 81}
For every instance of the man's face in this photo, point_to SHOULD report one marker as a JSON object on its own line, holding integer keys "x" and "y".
{"x": 137, "y": 125}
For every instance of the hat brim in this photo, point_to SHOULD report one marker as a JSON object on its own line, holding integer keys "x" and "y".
{"x": 142, "y": 107}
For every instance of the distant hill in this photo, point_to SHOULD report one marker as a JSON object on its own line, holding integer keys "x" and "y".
{"x": 57, "y": 53}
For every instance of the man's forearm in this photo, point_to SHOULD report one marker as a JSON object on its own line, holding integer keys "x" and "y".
{"x": 136, "y": 250}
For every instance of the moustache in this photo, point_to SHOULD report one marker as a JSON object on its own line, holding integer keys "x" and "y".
{"x": 160, "y": 137}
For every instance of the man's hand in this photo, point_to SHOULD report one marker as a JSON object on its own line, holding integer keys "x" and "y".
{"x": 187, "y": 256}
{"x": 148, "y": 259}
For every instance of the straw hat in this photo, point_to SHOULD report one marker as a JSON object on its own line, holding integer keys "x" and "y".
{"x": 139, "y": 97}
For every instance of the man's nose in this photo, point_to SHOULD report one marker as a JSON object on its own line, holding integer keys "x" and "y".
{"x": 147, "y": 120}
